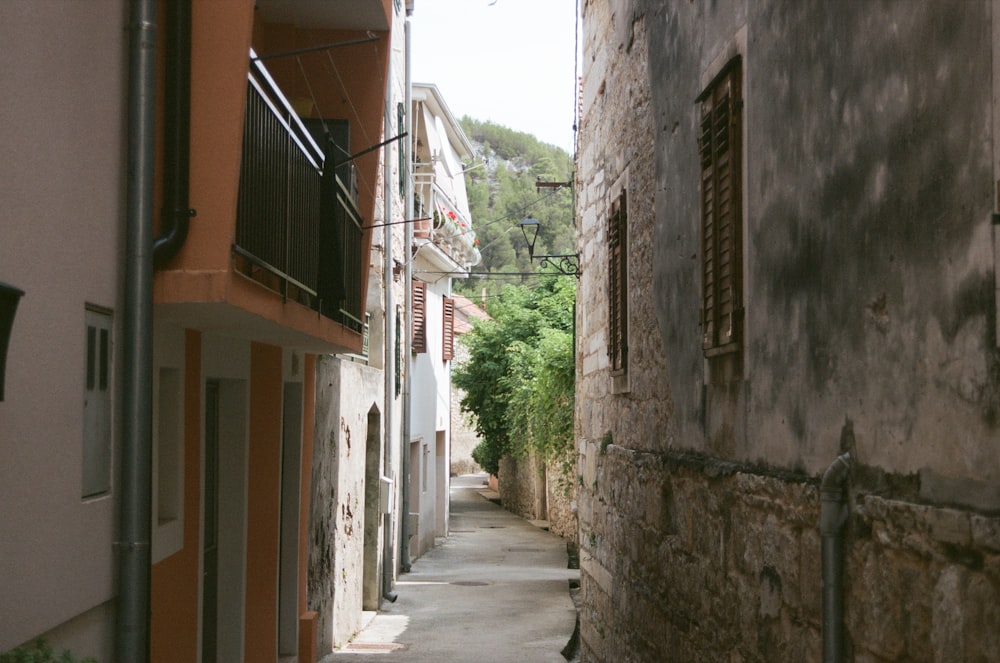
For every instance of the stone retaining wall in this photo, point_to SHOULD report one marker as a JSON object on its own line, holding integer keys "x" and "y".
{"x": 739, "y": 573}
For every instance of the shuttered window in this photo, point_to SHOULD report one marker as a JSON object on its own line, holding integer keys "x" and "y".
{"x": 720, "y": 150}
{"x": 618, "y": 285}
{"x": 448, "y": 336}
{"x": 419, "y": 314}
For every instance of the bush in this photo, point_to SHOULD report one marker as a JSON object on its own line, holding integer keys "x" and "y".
{"x": 40, "y": 652}
{"x": 519, "y": 378}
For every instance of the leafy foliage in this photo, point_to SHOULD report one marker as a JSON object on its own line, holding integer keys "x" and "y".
{"x": 503, "y": 192}
{"x": 519, "y": 379}
{"x": 40, "y": 652}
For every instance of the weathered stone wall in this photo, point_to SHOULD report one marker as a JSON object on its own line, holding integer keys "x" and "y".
{"x": 535, "y": 491}
{"x": 346, "y": 392}
{"x": 560, "y": 502}
{"x": 521, "y": 483}
{"x": 725, "y": 565}
{"x": 867, "y": 197}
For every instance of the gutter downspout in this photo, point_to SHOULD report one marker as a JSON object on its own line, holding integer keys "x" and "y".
{"x": 404, "y": 546}
{"x": 133, "y": 608}
{"x": 389, "y": 335}
{"x": 176, "y": 134}
{"x": 833, "y": 514}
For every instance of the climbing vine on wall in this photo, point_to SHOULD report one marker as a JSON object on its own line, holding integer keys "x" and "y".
{"x": 519, "y": 379}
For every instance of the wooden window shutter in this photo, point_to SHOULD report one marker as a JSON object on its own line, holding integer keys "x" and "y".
{"x": 448, "y": 337}
{"x": 618, "y": 285}
{"x": 720, "y": 151}
{"x": 419, "y": 314}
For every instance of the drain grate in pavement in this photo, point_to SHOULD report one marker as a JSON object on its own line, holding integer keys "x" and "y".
{"x": 373, "y": 646}
{"x": 493, "y": 527}
{"x": 470, "y": 583}
{"x": 523, "y": 549}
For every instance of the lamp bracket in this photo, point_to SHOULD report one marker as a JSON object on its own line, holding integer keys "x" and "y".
{"x": 564, "y": 263}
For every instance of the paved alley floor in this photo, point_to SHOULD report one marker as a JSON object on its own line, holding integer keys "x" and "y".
{"x": 497, "y": 589}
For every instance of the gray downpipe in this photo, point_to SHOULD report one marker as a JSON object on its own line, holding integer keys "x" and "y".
{"x": 176, "y": 133}
{"x": 832, "y": 517}
{"x": 389, "y": 334}
{"x": 404, "y": 529}
{"x": 132, "y": 632}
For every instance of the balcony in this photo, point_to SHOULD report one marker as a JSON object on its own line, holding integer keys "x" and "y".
{"x": 446, "y": 226}
{"x": 298, "y": 228}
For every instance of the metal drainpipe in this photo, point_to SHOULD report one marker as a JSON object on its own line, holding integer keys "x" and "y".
{"x": 389, "y": 335}
{"x": 833, "y": 514}
{"x": 176, "y": 134}
{"x": 132, "y": 633}
{"x": 404, "y": 515}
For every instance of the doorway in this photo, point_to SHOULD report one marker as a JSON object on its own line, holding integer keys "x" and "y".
{"x": 370, "y": 594}
{"x": 224, "y": 521}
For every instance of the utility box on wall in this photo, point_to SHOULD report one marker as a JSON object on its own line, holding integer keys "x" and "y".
{"x": 385, "y": 494}
{"x": 9, "y": 297}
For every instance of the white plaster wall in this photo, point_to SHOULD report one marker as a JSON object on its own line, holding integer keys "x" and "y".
{"x": 430, "y": 413}
{"x": 169, "y": 354}
{"x": 62, "y": 184}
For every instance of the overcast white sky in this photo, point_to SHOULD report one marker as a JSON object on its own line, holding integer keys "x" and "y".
{"x": 509, "y": 61}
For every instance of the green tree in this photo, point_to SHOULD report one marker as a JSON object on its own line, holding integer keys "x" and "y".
{"x": 503, "y": 192}
{"x": 519, "y": 379}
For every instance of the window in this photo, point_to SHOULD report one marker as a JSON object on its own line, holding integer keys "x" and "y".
{"x": 419, "y": 313}
{"x": 448, "y": 335}
{"x": 97, "y": 405}
{"x": 720, "y": 150}
{"x": 618, "y": 285}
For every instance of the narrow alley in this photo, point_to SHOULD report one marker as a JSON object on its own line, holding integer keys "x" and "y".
{"x": 496, "y": 589}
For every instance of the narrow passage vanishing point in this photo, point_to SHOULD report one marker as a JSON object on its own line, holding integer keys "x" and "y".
{"x": 497, "y": 589}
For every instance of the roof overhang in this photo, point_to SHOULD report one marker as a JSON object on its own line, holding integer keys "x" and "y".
{"x": 328, "y": 14}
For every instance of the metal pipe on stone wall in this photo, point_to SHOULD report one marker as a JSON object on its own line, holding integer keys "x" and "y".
{"x": 135, "y": 494}
{"x": 832, "y": 517}
{"x": 404, "y": 443}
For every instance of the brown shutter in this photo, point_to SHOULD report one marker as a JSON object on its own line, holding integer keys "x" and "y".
{"x": 448, "y": 349}
{"x": 419, "y": 314}
{"x": 721, "y": 222}
{"x": 618, "y": 285}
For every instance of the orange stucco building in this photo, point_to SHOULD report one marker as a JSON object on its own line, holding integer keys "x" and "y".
{"x": 237, "y": 328}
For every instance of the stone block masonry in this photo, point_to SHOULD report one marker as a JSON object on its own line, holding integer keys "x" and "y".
{"x": 717, "y": 561}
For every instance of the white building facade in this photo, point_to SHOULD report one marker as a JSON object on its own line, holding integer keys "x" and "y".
{"x": 444, "y": 248}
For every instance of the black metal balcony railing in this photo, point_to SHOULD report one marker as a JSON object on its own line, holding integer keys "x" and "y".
{"x": 298, "y": 229}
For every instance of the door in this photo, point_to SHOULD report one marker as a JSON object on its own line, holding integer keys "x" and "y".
{"x": 210, "y": 531}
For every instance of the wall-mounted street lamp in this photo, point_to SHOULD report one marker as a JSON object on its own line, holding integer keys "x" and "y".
{"x": 564, "y": 263}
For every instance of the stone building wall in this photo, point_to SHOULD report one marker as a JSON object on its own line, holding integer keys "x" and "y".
{"x": 615, "y": 152}
{"x": 870, "y": 329}
{"x": 737, "y": 573}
